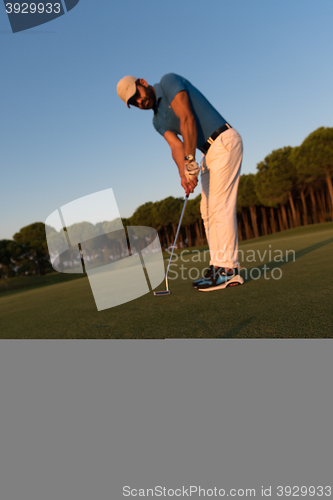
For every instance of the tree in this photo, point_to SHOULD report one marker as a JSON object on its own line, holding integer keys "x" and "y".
{"x": 301, "y": 185}
{"x": 199, "y": 228}
{"x": 191, "y": 217}
{"x": 166, "y": 213}
{"x": 247, "y": 198}
{"x": 57, "y": 247}
{"x": 10, "y": 252}
{"x": 114, "y": 239}
{"x": 144, "y": 215}
{"x": 32, "y": 238}
{"x": 274, "y": 182}
{"x": 314, "y": 159}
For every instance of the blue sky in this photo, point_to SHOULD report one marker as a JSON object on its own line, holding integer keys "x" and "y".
{"x": 264, "y": 64}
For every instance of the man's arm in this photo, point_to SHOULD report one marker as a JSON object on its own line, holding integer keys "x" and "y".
{"x": 188, "y": 128}
{"x": 181, "y": 106}
{"x": 178, "y": 155}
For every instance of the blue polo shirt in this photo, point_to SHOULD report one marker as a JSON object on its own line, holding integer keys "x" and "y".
{"x": 206, "y": 117}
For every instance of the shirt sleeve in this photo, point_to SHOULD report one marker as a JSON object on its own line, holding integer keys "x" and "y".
{"x": 171, "y": 84}
{"x": 159, "y": 128}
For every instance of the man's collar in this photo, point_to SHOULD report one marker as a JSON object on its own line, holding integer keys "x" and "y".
{"x": 158, "y": 92}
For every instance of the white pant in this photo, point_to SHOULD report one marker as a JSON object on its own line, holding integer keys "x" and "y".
{"x": 220, "y": 171}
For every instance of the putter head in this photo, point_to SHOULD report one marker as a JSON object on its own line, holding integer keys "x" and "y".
{"x": 164, "y": 292}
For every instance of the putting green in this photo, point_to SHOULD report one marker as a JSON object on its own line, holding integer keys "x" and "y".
{"x": 293, "y": 299}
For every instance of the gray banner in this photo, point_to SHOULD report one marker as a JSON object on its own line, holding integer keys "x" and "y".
{"x": 83, "y": 420}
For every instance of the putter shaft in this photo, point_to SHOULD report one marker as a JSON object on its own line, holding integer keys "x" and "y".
{"x": 174, "y": 243}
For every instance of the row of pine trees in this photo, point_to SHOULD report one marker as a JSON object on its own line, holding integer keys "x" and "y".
{"x": 292, "y": 187}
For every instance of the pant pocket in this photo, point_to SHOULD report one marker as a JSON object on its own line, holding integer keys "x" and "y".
{"x": 229, "y": 139}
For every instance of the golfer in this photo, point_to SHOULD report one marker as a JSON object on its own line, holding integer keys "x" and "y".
{"x": 181, "y": 110}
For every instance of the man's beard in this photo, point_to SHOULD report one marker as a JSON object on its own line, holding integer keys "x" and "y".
{"x": 149, "y": 101}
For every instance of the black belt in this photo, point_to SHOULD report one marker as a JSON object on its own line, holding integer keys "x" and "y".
{"x": 212, "y": 138}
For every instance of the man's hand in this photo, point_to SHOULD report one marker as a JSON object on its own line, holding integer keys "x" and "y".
{"x": 177, "y": 149}
{"x": 192, "y": 170}
{"x": 188, "y": 185}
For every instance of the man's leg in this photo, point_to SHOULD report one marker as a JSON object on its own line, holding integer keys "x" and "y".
{"x": 205, "y": 177}
{"x": 220, "y": 179}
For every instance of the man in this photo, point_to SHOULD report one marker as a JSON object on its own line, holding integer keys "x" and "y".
{"x": 181, "y": 110}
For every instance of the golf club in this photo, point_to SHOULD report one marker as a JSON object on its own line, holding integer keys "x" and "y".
{"x": 167, "y": 291}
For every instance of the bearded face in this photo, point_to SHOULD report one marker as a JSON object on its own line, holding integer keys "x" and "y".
{"x": 144, "y": 98}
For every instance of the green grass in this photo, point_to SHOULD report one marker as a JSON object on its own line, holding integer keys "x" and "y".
{"x": 16, "y": 284}
{"x": 299, "y": 305}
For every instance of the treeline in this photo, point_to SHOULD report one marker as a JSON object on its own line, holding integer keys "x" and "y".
{"x": 26, "y": 254}
{"x": 292, "y": 187}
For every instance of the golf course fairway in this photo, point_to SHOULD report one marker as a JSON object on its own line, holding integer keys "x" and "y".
{"x": 293, "y": 299}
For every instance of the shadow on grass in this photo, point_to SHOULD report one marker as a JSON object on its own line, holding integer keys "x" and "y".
{"x": 237, "y": 328}
{"x": 270, "y": 266}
